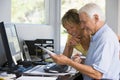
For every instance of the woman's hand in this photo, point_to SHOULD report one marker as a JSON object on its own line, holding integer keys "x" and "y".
{"x": 73, "y": 41}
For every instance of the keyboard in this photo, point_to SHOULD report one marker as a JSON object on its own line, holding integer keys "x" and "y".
{"x": 39, "y": 70}
{"x": 56, "y": 68}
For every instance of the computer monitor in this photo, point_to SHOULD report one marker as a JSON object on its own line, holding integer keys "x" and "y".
{"x": 11, "y": 44}
{"x": 3, "y": 58}
{"x": 13, "y": 41}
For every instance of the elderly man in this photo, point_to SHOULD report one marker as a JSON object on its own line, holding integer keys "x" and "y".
{"x": 102, "y": 61}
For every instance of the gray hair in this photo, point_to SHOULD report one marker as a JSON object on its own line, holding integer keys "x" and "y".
{"x": 90, "y": 9}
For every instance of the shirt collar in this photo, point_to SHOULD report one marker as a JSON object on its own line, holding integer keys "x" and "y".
{"x": 99, "y": 32}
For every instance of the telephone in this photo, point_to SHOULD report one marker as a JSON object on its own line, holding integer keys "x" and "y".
{"x": 26, "y": 52}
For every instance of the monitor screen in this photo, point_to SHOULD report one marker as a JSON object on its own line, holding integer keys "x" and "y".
{"x": 12, "y": 39}
{"x": 13, "y": 42}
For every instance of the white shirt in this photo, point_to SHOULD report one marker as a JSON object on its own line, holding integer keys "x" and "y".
{"x": 103, "y": 54}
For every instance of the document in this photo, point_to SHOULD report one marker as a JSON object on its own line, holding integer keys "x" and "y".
{"x": 36, "y": 78}
{"x": 46, "y": 50}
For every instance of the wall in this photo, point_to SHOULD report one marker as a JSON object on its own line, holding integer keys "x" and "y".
{"x": 112, "y": 14}
{"x": 32, "y": 32}
{"x": 5, "y": 10}
{"x": 118, "y": 16}
{"x": 55, "y": 12}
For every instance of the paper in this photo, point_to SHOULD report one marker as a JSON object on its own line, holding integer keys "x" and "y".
{"x": 36, "y": 78}
{"x": 46, "y": 50}
{"x": 82, "y": 57}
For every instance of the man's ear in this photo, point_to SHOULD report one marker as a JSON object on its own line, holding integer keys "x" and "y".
{"x": 96, "y": 17}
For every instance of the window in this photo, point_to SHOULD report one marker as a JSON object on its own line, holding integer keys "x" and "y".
{"x": 28, "y": 11}
{"x": 77, "y": 4}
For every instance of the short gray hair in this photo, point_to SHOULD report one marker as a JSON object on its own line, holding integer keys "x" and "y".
{"x": 91, "y": 8}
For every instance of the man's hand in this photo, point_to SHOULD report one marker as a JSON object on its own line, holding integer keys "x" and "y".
{"x": 60, "y": 59}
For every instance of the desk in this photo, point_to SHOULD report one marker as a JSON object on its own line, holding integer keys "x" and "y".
{"x": 36, "y": 78}
{"x": 39, "y": 71}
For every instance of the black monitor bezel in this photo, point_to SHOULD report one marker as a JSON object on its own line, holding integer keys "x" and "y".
{"x": 3, "y": 59}
{"x": 6, "y": 46}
